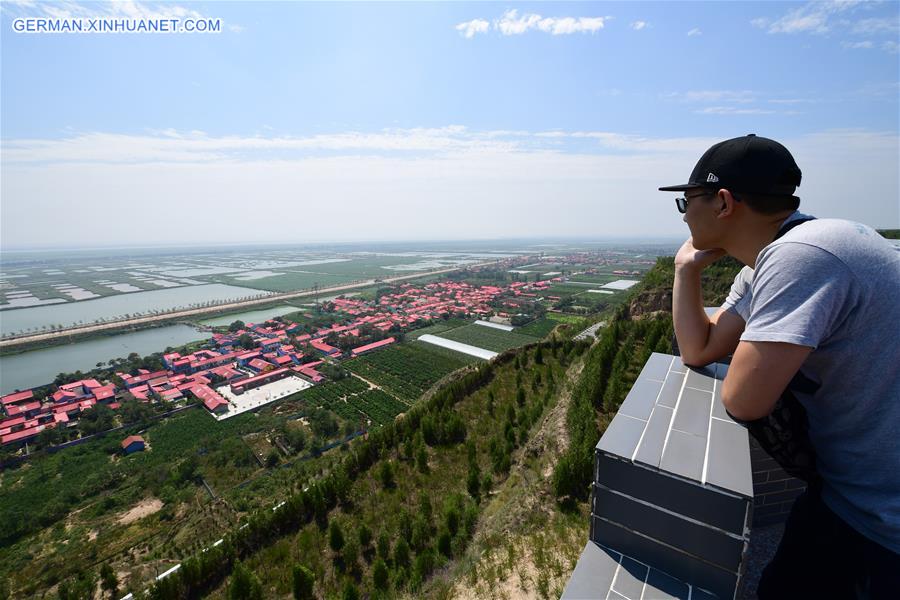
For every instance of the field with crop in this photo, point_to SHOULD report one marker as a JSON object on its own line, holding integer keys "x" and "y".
{"x": 407, "y": 370}
{"x": 488, "y": 337}
{"x": 540, "y": 328}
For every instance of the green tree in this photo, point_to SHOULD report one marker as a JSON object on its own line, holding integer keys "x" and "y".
{"x": 443, "y": 544}
{"x": 350, "y": 554}
{"x": 422, "y": 459}
{"x": 473, "y": 481}
{"x": 335, "y": 536}
{"x": 108, "y": 580}
{"x": 350, "y": 592}
{"x": 246, "y": 342}
{"x": 384, "y": 545}
{"x": 365, "y": 535}
{"x": 245, "y": 585}
{"x": 401, "y": 553}
{"x": 304, "y": 582}
{"x": 380, "y": 575}
{"x": 236, "y": 326}
{"x": 386, "y": 475}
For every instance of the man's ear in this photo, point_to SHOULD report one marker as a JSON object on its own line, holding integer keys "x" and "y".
{"x": 725, "y": 202}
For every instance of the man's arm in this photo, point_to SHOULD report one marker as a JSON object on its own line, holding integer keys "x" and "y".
{"x": 701, "y": 340}
{"x": 758, "y": 375}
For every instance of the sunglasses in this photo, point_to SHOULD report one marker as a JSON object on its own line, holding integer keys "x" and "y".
{"x": 682, "y": 203}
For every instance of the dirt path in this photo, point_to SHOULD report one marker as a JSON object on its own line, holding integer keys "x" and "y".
{"x": 213, "y": 310}
{"x": 145, "y": 507}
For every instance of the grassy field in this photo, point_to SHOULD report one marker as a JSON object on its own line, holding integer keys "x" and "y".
{"x": 437, "y": 328}
{"x": 407, "y": 370}
{"x": 539, "y": 329}
{"x": 488, "y": 337}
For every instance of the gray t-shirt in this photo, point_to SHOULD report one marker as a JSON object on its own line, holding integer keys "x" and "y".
{"x": 834, "y": 286}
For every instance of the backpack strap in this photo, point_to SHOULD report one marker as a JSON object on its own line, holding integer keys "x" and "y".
{"x": 785, "y": 228}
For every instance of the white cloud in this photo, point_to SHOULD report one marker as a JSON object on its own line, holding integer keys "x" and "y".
{"x": 856, "y": 45}
{"x": 511, "y": 23}
{"x": 638, "y": 25}
{"x": 813, "y": 17}
{"x": 197, "y": 147}
{"x": 733, "y": 110}
{"x": 395, "y": 196}
{"x": 713, "y": 96}
{"x": 470, "y": 28}
{"x": 877, "y": 25}
{"x": 694, "y": 32}
{"x": 891, "y": 46}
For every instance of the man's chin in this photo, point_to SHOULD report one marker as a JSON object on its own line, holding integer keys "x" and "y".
{"x": 701, "y": 245}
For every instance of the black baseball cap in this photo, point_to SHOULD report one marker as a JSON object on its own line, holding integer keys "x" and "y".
{"x": 749, "y": 164}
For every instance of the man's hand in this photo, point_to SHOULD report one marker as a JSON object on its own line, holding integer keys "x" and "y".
{"x": 690, "y": 257}
{"x": 701, "y": 340}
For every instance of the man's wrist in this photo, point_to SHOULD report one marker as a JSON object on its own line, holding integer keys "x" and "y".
{"x": 688, "y": 270}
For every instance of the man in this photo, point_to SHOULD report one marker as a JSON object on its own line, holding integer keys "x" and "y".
{"x": 819, "y": 298}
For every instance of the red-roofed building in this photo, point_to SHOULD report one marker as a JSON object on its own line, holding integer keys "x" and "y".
{"x": 107, "y": 392}
{"x": 309, "y": 373}
{"x": 28, "y": 409}
{"x": 213, "y": 402}
{"x": 259, "y": 365}
{"x": 171, "y": 395}
{"x": 24, "y": 435}
{"x": 372, "y": 346}
{"x": 16, "y": 397}
{"x": 324, "y": 348}
{"x": 239, "y": 387}
{"x": 133, "y": 443}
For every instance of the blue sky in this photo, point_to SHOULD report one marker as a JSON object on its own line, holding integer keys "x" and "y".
{"x": 424, "y": 120}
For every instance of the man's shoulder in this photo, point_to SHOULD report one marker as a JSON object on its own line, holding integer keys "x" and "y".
{"x": 830, "y": 241}
{"x": 835, "y": 236}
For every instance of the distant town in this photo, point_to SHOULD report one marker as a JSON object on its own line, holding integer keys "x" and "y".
{"x": 253, "y": 364}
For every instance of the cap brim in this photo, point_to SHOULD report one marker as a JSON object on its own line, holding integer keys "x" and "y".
{"x": 680, "y": 188}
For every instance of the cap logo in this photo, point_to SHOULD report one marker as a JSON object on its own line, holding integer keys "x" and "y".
{"x": 711, "y": 178}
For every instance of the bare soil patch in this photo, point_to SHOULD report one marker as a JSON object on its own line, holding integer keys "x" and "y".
{"x": 145, "y": 507}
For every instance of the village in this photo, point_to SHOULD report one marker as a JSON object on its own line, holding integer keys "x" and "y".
{"x": 255, "y": 364}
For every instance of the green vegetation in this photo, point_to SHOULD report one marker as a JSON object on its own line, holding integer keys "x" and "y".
{"x": 540, "y": 328}
{"x": 488, "y": 338}
{"x": 437, "y": 328}
{"x": 425, "y": 514}
{"x": 407, "y": 370}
